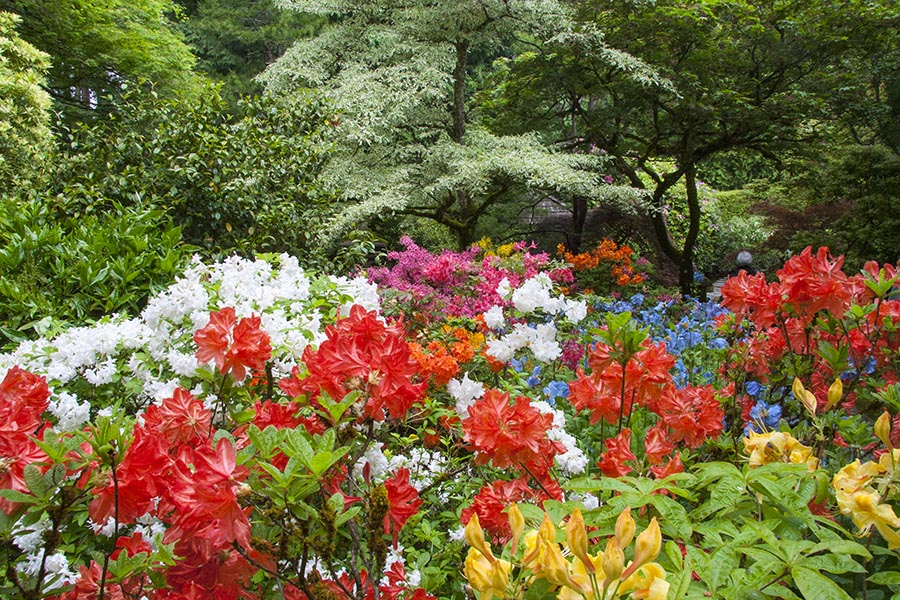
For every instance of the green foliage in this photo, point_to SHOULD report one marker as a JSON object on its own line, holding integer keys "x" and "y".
{"x": 234, "y": 40}
{"x": 98, "y": 46}
{"x": 748, "y": 76}
{"x": 24, "y": 107}
{"x": 401, "y": 75}
{"x": 863, "y": 184}
{"x": 234, "y": 181}
{"x": 57, "y": 270}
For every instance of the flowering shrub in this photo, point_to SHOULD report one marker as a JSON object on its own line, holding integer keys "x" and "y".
{"x": 427, "y": 286}
{"x": 261, "y": 432}
{"x": 606, "y": 268}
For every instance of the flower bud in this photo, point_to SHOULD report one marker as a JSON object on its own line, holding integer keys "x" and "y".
{"x": 835, "y": 392}
{"x": 475, "y": 537}
{"x": 625, "y": 528}
{"x": 516, "y": 525}
{"x": 613, "y": 560}
{"x": 646, "y": 547}
{"x": 805, "y": 397}
{"x": 576, "y": 538}
{"x": 883, "y": 429}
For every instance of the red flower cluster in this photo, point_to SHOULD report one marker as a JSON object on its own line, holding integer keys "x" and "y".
{"x": 233, "y": 345}
{"x": 510, "y": 434}
{"x": 361, "y": 353}
{"x": 646, "y": 375}
{"x": 173, "y": 472}
{"x": 23, "y": 399}
{"x": 493, "y": 499}
{"x": 785, "y": 317}
{"x": 689, "y": 415}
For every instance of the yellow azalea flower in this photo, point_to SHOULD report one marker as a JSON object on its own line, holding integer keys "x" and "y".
{"x": 883, "y": 429}
{"x": 777, "y": 446}
{"x": 516, "y": 525}
{"x": 867, "y": 511}
{"x": 646, "y": 547}
{"x": 889, "y": 461}
{"x": 554, "y": 566}
{"x": 576, "y": 538}
{"x": 647, "y": 583}
{"x": 613, "y": 560}
{"x": 855, "y": 477}
{"x": 475, "y": 538}
{"x": 805, "y": 397}
{"x": 580, "y": 580}
{"x": 835, "y": 392}
{"x": 625, "y": 528}
{"x": 485, "y": 577}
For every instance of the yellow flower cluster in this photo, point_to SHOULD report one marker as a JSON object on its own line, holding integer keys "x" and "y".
{"x": 778, "y": 446}
{"x": 857, "y": 495}
{"x": 503, "y": 250}
{"x": 600, "y": 576}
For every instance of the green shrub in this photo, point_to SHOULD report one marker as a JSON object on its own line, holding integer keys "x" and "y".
{"x": 57, "y": 270}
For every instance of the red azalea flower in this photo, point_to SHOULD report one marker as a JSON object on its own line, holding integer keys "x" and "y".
{"x": 692, "y": 414}
{"x": 657, "y": 444}
{"x": 233, "y": 345}
{"x": 673, "y": 466}
{"x": 509, "y": 435}
{"x": 403, "y": 500}
{"x": 490, "y": 503}
{"x": 586, "y": 393}
{"x": 612, "y": 462}
{"x": 181, "y": 418}
{"x": 361, "y": 353}
{"x": 23, "y": 399}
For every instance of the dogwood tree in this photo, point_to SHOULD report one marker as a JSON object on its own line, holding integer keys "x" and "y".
{"x": 401, "y": 76}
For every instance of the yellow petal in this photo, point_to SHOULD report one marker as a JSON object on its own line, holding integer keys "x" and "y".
{"x": 625, "y": 528}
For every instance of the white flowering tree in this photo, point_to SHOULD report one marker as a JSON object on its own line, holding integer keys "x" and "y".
{"x": 401, "y": 75}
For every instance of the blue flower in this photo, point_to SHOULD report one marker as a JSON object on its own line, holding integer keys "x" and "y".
{"x": 535, "y": 377}
{"x": 518, "y": 364}
{"x": 754, "y": 388}
{"x": 765, "y": 414}
{"x": 556, "y": 389}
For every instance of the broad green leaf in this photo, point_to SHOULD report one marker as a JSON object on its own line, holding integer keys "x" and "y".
{"x": 815, "y": 586}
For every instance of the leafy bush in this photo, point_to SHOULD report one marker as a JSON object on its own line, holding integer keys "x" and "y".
{"x": 57, "y": 270}
{"x": 233, "y": 182}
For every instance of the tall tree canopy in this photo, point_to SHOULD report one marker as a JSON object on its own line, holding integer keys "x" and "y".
{"x": 99, "y": 46}
{"x": 24, "y": 107}
{"x": 235, "y": 40}
{"x": 401, "y": 77}
{"x": 756, "y": 75}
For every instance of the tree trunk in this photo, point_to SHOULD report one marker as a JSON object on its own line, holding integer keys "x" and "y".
{"x": 579, "y": 217}
{"x": 686, "y": 268}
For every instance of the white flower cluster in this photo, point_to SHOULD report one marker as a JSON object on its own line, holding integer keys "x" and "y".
{"x": 540, "y": 339}
{"x": 155, "y": 352}
{"x": 572, "y": 461}
{"x": 535, "y": 294}
{"x": 31, "y": 542}
{"x": 465, "y": 392}
{"x": 424, "y": 466}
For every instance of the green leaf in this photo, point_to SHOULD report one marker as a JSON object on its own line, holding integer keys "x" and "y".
{"x": 347, "y": 515}
{"x": 35, "y": 480}
{"x": 885, "y": 578}
{"x": 815, "y": 586}
{"x": 673, "y": 515}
